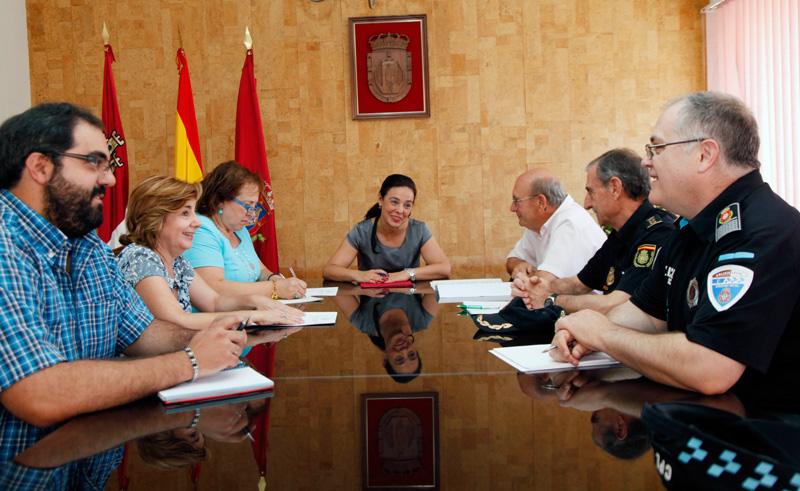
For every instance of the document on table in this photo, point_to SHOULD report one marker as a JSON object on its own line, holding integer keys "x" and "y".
{"x": 315, "y": 319}
{"x": 239, "y": 380}
{"x": 436, "y": 283}
{"x": 473, "y": 292}
{"x": 478, "y": 308}
{"x": 536, "y": 359}
{"x": 292, "y": 301}
{"x": 329, "y": 291}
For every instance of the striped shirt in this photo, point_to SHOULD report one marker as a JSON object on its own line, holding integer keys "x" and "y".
{"x": 48, "y": 315}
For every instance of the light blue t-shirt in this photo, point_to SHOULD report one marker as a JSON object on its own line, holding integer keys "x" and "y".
{"x": 211, "y": 248}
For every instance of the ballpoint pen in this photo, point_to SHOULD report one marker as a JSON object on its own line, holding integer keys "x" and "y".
{"x": 243, "y": 324}
{"x": 476, "y": 307}
{"x": 246, "y": 431}
{"x": 291, "y": 270}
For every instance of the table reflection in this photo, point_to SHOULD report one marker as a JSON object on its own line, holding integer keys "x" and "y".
{"x": 390, "y": 320}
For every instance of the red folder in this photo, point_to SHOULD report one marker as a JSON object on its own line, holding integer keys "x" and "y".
{"x": 396, "y": 284}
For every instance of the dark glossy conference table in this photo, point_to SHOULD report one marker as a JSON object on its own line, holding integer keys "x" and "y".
{"x": 468, "y": 421}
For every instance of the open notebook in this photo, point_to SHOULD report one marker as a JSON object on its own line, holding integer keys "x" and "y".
{"x": 239, "y": 380}
{"x": 536, "y": 359}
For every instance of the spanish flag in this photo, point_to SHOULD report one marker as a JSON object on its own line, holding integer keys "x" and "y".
{"x": 188, "y": 164}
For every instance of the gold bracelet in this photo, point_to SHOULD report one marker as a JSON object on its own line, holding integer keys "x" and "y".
{"x": 275, "y": 291}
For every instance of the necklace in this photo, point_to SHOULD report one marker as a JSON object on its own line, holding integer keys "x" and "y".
{"x": 252, "y": 272}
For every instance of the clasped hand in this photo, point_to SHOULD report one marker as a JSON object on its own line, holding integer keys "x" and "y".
{"x": 533, "y": 290}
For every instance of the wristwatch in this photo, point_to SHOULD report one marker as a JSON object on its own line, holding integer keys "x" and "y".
{"x": 412, "y": 274}
{"x": 551, "y": 300}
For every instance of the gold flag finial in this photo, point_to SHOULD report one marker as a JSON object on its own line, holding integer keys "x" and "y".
{"x": 248, "y": 41}
{"x": 105, "y": 34}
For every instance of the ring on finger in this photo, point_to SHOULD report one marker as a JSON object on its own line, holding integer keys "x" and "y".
{"x": 285, "y": 315}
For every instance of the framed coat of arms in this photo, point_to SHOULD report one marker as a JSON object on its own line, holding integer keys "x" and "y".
{"x": 389, "y": 67}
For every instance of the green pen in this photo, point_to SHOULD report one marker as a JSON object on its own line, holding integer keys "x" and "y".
{"x": 475, "y": 307}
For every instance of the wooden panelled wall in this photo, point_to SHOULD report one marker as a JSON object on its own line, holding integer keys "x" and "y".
{"x": 515, "y": 84}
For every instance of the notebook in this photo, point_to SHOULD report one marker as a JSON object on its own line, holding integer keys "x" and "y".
{"x": 536, "y": 359}
{"x": 239, "y": 380}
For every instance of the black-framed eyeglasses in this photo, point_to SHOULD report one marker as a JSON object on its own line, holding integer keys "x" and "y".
{"x": 248, "y": 209}
{"x": 99, "y": 162}
{"x": 516, "y": 201}
{"x": 650, "y": 146}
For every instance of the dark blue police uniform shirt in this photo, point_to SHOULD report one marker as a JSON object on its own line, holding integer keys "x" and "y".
{"x": 730, "y": 280}
{"x": 627, "y": 257}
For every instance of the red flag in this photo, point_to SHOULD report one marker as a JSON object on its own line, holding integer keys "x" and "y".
{"x": 116, "y": 198}
{"x": 251, "y": 153}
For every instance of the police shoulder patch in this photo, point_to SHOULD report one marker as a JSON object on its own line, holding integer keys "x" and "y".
{"x": 652, "y": 221}
{"x": 644, "y": 256}
{"x": 728, "y": 220}
{"x": 727, "y": 285}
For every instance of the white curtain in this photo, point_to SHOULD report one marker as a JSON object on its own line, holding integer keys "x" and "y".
{"x": 753, "y": 52}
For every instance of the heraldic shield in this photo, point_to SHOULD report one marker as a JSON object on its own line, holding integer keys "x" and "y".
{"x": 389, "y": 67}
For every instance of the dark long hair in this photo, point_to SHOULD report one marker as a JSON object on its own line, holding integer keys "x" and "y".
{"x": 393, "y": 181}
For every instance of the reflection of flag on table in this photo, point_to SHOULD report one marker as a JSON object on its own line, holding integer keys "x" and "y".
{"x": 188, "y": 164}
{"x": 116, "y": 198}
{"x": 251, "y": 153}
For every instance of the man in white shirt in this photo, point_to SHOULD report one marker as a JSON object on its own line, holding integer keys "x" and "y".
{"x": 560, "y": 236}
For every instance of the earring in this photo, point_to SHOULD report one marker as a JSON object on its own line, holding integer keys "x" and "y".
{"x": 220, "y": 211}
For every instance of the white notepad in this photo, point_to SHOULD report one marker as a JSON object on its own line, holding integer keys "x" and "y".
{"x": 240, "y": 380}
{"x": 532, "y": 359}
{"x": 473, "y": 292}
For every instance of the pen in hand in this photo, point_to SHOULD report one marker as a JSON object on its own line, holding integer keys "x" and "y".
{"x": 246, "y": 431}
{"x": 243, "y": 324}
{"x": 291, "y": 270}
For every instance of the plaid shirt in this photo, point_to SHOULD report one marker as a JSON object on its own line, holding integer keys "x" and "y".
{"x": 47, "y": 315}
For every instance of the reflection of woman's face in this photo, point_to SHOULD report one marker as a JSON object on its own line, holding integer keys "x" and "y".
{"x": 178, "y": 230}
{"x": 401, "y": 353}
{"x": 191, "y": 436}
{"x": 234, "y": 215}
{"x": 396, "y": 206}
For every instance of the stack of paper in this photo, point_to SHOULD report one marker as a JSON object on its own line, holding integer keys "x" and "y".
{"x": 536, "y": 359}
{"x": 473, "y": 292}
{"x": 478, "y": 308}
{"x": 436, "y": 283}
{"x": 240, "y": 380}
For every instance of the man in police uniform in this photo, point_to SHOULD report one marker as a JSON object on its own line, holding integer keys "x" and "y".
{"x": 617, "y": 187}
{"x": 724, "y": 295}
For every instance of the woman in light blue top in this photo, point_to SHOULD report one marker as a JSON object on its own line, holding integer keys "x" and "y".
{"x": 388, "y": 243}
{"x": 223, "y": 253}
{"x": 161, "y": 225}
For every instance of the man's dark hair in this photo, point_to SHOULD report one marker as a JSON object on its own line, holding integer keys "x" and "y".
{"x": 46, "y": 128}
{"x": 632, "y": 447}
{"x": 626, "y": 165}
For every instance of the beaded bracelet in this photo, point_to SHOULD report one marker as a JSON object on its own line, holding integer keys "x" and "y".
{"x": 195, "y": 420}
{"x": 195, "y": 368}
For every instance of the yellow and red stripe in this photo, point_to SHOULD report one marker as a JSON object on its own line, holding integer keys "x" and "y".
{"x": 188, "y": 164}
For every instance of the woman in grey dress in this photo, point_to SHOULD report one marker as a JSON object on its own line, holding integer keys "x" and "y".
{"x": 388, "y": 243}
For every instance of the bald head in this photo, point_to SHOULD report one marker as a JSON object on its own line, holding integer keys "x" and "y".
{"x": 542, "y": 181}
{"x": 537, "y": 195}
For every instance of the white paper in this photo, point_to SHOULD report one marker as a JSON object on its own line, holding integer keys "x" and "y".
{"x": 292, "y": 301}
{"x": 227, "y": 382}
{"x": 436, "y": 283}
{"x": 315, "y": 319}
{"x": 473, "y": 292}
{"x": 329, "y": 291}
{"x": 536, "y": 359}
{"x": 478, "y": 308}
